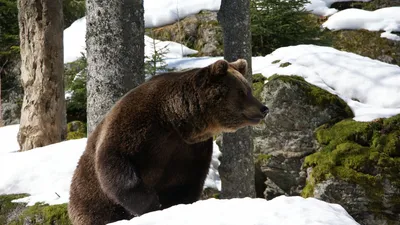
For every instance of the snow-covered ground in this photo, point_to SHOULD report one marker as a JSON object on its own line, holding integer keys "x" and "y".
{"x": 75, "y": 45}
{"x": 321, "y": 7}
{"x": 45, "y": 173}
{"x": 385, "y": 19}
{"x": 281, "y": 210}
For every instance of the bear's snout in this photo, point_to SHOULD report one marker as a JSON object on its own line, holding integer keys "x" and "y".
{"x": 264, "y": 110}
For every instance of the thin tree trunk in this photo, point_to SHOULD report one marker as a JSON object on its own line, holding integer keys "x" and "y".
{"x": 115, "y": 53}
{"x": 41, "y": 41}
{"x": 237, "y": 163}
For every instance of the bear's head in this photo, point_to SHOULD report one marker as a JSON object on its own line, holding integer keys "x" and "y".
{"x": 226, "y": 99}
{"x": 238, "y": 107}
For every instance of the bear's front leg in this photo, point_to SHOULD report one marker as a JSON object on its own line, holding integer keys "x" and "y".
{"x": 120, "y": 182}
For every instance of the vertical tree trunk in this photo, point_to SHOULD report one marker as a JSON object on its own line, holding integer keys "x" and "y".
{"x": 41, "y": 41}
{"x": 237, "y": 163}
{"x": 1, "y": 109}
{"x": 115, "y": 53}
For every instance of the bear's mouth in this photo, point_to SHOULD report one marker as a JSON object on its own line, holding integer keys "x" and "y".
{"x": 253, "y": 119}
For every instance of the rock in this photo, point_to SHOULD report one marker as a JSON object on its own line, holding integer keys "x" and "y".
{"x": 76, "y": 130}
{"x": 11, "y": 113}
{"x": 200, "y": 32}
{"x": 286, "y": 135}
{"x": 18, "y": 213}
{"x": 358, "y": 167}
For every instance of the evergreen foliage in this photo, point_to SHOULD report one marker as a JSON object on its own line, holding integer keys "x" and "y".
{"x": 75, "y": 84}
{"x": 279, "y": 23}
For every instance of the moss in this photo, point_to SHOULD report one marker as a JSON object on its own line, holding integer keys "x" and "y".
{"x": 366, "y": 43}
{"x": 364, "y": 153}
{"x": 7, "y": 207}
{"x": 286, "y": 64}
{"x": 76, "y": 130}
{"x": 44, "y": 214}
{"x": 276, "y": 61}
{"x": 258, "y": 84}
{"x": 262, "y": 158}
{"x": 308, "y": 190}
{"x": 315, "y": 95}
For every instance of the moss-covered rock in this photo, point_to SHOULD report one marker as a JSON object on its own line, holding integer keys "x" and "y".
{"x": 8, "y": 209}
{"x": 43, "y": 214}
{"x": 367, "y": 43}
{"x": 39, "y": 214}
{"x": 286, "y": 135}
{"x": 201, "y": 32}
{"x": 364, "y": 156}
{"x": 76, "y": 130}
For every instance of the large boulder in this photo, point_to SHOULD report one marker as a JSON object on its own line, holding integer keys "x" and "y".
{"x": 286, "y": 135}
{"x": 358, "y": 167}
{"x": 201, "y": 32}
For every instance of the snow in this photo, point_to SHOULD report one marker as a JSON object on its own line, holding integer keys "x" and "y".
{"x": 8, "y": 139}
{"x": 385, "y": 19}
{"x": 45, "y": 173}
{"x": 281, "y": 210}
{"x": 370, "y": 87}
{"x": 75, "y": 45}
{"x": 321, "y": 7}
{"x": 162, "y": 12}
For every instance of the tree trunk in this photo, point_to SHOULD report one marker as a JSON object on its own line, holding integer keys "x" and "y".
{"x": 41, "y": 41}
{"x": 237, "y": 163}
{"x": 115, "y": 53}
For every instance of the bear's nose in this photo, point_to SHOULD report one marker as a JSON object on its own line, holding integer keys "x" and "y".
{"x": 264, "y": 110}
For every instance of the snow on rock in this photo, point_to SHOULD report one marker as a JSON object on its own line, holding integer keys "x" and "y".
{"x": 321, "y": 7}
{"x": 45, "y": 173}
{"x": 75, "y": 44}
{"x": 370, "y": 87}
{"x": 173, "y": 49}
{"x": 281, "y": 210}
{"x": 8, "y": 139}
{"x": 385, "y": 19}
{"x": 162, "y": 12}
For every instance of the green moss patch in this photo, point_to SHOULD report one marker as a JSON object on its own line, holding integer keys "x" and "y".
{"x": 44, "y": 214}
{"x": 7, "y": 207}
{"x": 258, "y": 84}
{"x": 315, "y": 95}
{"x": 364, "y": 153}
{"x": 76, "y": 130}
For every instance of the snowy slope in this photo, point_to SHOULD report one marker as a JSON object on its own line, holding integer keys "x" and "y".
{"x": 385, "y": 19}
{"x": 75, "y": 45}
{"x": 281, "y": 210}
{"x": 45, "y": 173}
{"x": 370, "y": 87}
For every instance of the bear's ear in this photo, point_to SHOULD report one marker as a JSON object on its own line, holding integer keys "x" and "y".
{"x": 240, "y": 65}
{"x": 220, "y": 67}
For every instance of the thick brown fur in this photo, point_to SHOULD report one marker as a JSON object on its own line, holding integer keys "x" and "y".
{"x": 153, "y": 149}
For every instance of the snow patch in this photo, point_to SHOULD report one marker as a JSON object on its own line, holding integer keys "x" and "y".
{"x": 281, "y": 210}
{"x": 385, "y": 19}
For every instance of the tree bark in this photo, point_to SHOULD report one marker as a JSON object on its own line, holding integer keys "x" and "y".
{"x": 41, "y": 42}
{"x": 237, "y": 163}
{"x": 115, "y": 53}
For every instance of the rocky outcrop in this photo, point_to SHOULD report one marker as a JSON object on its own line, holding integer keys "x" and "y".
{"x": 358, "y": 167}
{"x": 286, "y": 136}
{"x": 11, "y": 113}
{"x": 200, "y": 32}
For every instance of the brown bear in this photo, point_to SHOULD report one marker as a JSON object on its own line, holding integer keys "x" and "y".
{"x": 153, "y": 148}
